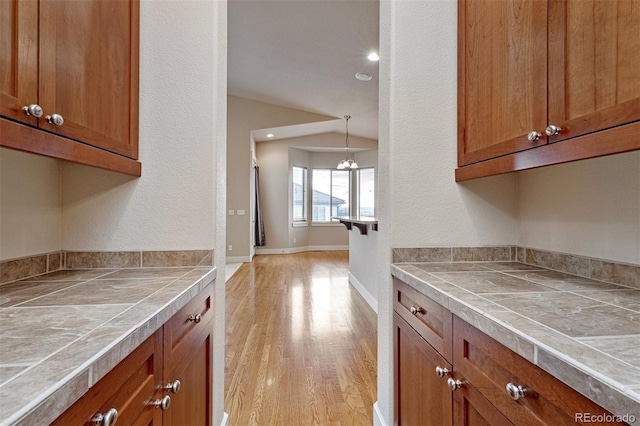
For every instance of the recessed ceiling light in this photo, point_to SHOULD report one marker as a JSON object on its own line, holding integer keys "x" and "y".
{"x": 373, "y": 56}
{"x": 363, "y": 76}
{"x": 269, "y": 135}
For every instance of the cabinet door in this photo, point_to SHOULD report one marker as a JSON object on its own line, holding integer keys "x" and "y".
{"x": 594, "y": 63}
{"x": 502, "y": 77}
{"x": 471, "y": 408}
{"x": 191, "y": 405}
{"x": 89, "y": 71}
{"x": 128, "y": 388}
{"x": 18, "y": 58}
{"x": 422, "y": 398}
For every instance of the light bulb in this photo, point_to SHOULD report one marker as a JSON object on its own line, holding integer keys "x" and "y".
{"x": 354, "y": 165}
{"x": 341, "y": 166}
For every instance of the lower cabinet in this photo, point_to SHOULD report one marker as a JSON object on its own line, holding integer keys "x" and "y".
{"x": 449, "y": 373}
{"x": 167, "y": 380}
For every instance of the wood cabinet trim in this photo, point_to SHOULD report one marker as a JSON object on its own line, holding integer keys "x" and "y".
{"x": 23, "y": 138}
{"x": 611, "y": 141}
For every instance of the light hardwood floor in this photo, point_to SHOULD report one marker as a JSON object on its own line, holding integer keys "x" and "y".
{"x": 300, "y": 343}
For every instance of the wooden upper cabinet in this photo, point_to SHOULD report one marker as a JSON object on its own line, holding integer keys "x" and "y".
{"x": 594, "y": 65}
{"x": 18, "y": 58}
{"x": 77, "y": 61}
{"x": 532, "y": 65}
{"x": 88, "y": 71}
{"x": 502, "y": 77}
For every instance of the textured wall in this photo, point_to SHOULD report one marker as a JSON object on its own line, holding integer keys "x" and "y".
{"x": 30, "y": 204}
{"x": 171, "y": 205}
{"x": 590, "y": 208}
{"x": 420, "y": 203}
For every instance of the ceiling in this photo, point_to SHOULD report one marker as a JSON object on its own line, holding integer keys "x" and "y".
{"x": 304, "y": 54}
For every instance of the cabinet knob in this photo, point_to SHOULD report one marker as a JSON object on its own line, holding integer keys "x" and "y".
{"x": 55, "y": 119}
{"x": 416, "y": 311}
{"x": 453, "y": 384}
{"x": 195, "y": 318}
{"x": 174, "y": 386}
{"x": 33, "y": 109}
{"x": 441, "y": 372}
{"x": 516, "y": 392}
{"x": 534, "y": 136}
{"x": 107, "y": 419}
{"x": 162, "y": 403}
{"x": 552, "y": 130}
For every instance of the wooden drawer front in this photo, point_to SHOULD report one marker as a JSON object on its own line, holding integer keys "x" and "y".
{"x": 431, "y": 320}
{"x": 489, "y": 367}
{"x": 128, "y": 388}
{"x": 422, "y": 398}
{"x": 184, "y": 324}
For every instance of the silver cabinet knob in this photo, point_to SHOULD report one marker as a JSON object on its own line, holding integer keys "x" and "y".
{"x": 441, "y": 372}
{"x": 174, "y": 386}
{"x": 515, "y": 392}
{"x": 416, "y": 311}
{"x": 55, "y": 119}
{"x": 195, "y": 318}
{"x": 533, "y": 136}
{"x": 107, "y": 419}
{"x": 453, "y": 384}
{"x": 552, "y": 130}
{"x": 33, "y": 109}
{"x": 162, "y": 403}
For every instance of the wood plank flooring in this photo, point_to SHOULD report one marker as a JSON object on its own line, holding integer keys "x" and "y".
{"x": 300, "y": 343}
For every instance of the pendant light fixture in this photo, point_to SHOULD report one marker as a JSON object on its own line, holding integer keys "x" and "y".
{"x": 347, "y": 163}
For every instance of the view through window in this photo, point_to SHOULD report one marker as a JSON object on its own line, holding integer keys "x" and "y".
{"x": 366, "y": 192}
{"x": 330, "y": 194}
{"x": 299, "y": 191}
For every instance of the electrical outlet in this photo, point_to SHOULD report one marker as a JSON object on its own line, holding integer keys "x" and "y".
{"x": 230, "y": 247}
{"x": 232, "y": 212}
{"x": 240, "y": 212}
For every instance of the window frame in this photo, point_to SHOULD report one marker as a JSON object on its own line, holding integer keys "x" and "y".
{"x": 331, "y": 221}
{"x": 304, "y": 219}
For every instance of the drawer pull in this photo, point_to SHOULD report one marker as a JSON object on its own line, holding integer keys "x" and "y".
{"x": 534, "y": 136}
{"x": 162, "y": 403}
{"x": 453, "y": 384}
{"x": 174, "y": 386}
{"x": 33, "y": 110}
{"x": 195, "y": 318}
{"x": 56, "y": 119}
{"x": 516, "y": 392}
{"x": 416, "y": 311}
{"x": 442, "y": 372}
{"x": 107, "y": 419}
{"x": 552, "y": 130}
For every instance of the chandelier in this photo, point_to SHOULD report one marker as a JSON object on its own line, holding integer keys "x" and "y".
{"x": 347, "y": 163}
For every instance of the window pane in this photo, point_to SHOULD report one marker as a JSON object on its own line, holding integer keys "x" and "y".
{"x": 366, "y": 192}
{"x": 321, "y": 197}
{"x": 299, "y": 180}
{"x": 330, "y": 194}
{"x": 340, "y": 193}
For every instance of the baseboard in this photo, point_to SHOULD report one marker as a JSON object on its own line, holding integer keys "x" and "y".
{"x": 292, "y": 250}
{"x": 372, "y": 301}
{"x": 378, "y": 420}
{"x": 237, "y": 259}
{"x": 225, "y": 420}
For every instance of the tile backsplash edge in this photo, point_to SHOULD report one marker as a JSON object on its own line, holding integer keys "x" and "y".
{"x": 598, "y": 269}
{"x": 30, "y": 266}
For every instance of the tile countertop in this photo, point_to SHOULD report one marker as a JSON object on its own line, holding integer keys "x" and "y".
{"x": 584, "y": 332}
{"x": 63, "y": 331}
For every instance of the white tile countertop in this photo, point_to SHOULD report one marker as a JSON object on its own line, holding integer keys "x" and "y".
{"x": 584, "y": 332}
{"x": 62, "y": 332}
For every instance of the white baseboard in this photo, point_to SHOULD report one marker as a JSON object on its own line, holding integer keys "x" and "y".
{"x": 225, "y": 420}
{"x": 378, "y": 420}
{"x": 292, "y": 250}
{"x": 372, "y": 301}
{"x": 238, "y": 259}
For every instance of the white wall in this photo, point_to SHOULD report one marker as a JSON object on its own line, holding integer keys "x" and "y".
{"x": 245, "y": 115}
{"x": 419, "y": 202}
{"x": 275, "y": 159}
{"x": 30, "y": 204}
{"x": 589, "y": 208}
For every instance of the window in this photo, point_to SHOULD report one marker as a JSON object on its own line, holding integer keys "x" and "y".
{"x": 366, "y": 192}
{"x": 330, "y": 194}
{"x": 299, "y": 194}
